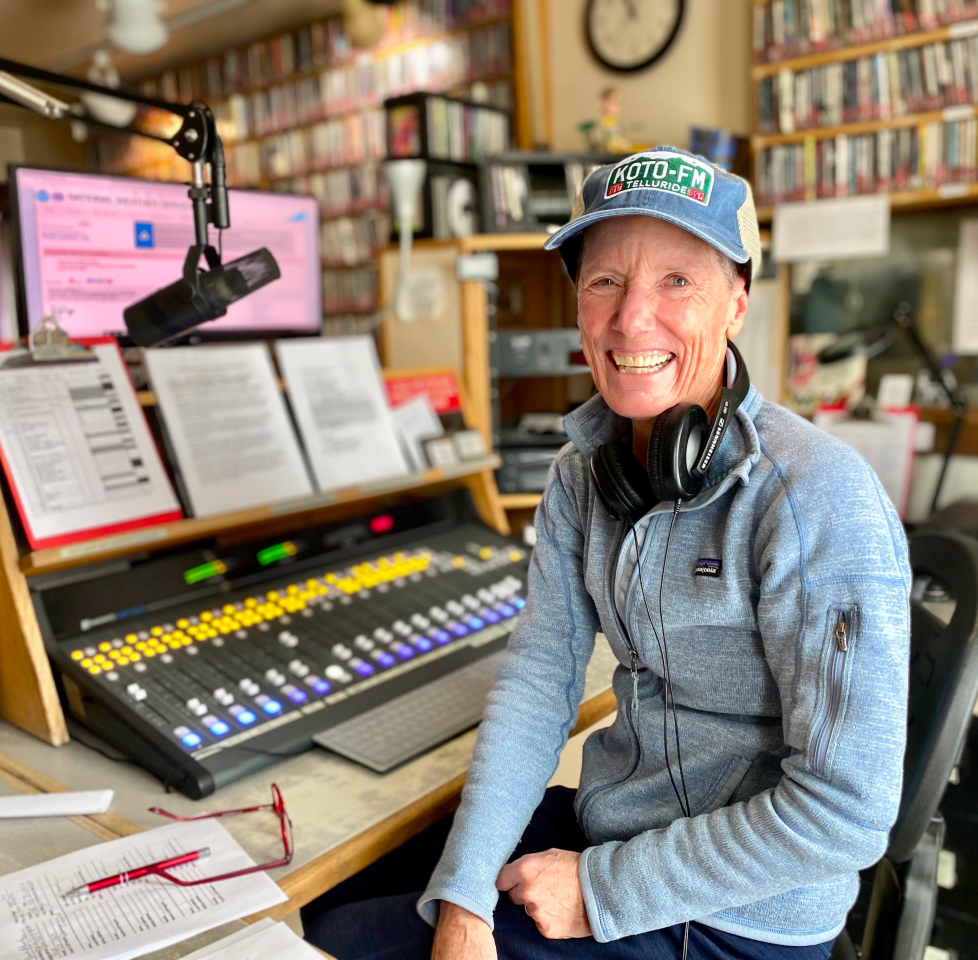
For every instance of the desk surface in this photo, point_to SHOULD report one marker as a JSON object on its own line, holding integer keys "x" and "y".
{"x": 344, "y": 815}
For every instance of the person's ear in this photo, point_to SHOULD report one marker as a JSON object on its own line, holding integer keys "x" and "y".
{"x": 736, "y": 308}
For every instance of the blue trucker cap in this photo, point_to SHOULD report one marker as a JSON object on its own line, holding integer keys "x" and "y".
{"x": 673, "y": 185}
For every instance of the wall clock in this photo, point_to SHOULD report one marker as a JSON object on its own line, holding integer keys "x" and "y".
{"x": 628, "y": 35}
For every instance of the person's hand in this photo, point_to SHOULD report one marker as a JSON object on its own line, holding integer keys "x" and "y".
{"x": 548, "y": 887}
{"x": 461, "y": 935}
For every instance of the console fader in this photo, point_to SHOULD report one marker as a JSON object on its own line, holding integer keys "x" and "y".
{"x": 206, "y": 665}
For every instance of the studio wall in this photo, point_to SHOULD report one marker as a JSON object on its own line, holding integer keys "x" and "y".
{"x": 703, "y": 80}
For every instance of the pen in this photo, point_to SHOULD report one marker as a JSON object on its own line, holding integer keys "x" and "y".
{"x": 86, "y": 889}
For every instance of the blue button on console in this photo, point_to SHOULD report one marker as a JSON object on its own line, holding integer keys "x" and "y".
{"x": 490, "y": 616}
{"x": 191, "y": 739}
{"x": 506, "y": 610}
{"x": 242, "y": 714}
{"x": 459, "y": 629}
{"x": 476, "y": 623}
{"x": 422, "y": 643}
{"x": 519, "y": 603}
{"x": 403, "y": 651}
{"x": 441, "y": 637}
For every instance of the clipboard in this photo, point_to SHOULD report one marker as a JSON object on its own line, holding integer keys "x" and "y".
{"x": 75, "y": 448}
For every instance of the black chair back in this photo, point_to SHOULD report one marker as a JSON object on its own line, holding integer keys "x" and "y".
{"x": 943, "y": 680}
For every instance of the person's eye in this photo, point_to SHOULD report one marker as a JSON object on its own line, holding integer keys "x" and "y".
{"x": 677, "y": 281}
{"x": 603, "y": 282}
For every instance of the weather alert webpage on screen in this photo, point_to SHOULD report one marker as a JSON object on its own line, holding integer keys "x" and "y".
{"x": 92, "y": 245}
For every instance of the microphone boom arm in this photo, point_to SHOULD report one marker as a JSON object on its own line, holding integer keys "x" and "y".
{"x": 196, "y": 141}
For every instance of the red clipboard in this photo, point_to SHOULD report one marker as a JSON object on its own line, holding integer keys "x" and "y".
{"x": 88, "y": 533}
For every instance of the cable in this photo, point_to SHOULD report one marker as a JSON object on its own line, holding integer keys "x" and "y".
{"x": 665, "y": 678}
{"x": 662, "y": 627}
{"x": 668, "y": 691}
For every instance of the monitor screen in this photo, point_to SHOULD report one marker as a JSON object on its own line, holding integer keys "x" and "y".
{"x": 90, "y": 245}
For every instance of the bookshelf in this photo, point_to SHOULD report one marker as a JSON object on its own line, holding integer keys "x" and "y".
{"x": 863, "y": 97}
{"x": 302, "y": 112}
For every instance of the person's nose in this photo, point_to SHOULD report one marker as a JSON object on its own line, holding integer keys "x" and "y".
{"x": 636, "y": 312}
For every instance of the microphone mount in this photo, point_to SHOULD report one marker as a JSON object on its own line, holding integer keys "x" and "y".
{"x": 196, "y": 141}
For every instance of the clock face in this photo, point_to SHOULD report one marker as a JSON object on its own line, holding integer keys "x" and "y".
{"x": 632, "y": 34}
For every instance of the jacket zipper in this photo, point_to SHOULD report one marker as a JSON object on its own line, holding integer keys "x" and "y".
{"x": 833, "y": 698}
{"x": 632, "y": 714}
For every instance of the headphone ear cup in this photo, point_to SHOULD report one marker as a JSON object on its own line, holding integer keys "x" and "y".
{"x": 676, "y": 443}
{"x": 620, "y": 481}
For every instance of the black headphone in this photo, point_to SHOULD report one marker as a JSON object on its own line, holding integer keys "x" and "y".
{"x": 680, "y": 452}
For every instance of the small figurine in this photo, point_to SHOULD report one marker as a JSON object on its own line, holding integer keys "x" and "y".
{"x": 605, "y": 135}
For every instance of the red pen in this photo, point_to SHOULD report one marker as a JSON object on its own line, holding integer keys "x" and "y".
{"x": 86, "y": 889}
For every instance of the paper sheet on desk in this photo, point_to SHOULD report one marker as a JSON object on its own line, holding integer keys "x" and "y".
{"x": 127, "y": 921}
{"x": 264, "y": 940}
{"x": 76, "y": 804}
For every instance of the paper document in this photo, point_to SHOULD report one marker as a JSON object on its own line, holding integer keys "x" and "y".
{"x": 417, "y": 422}
{"x": 135, "y": 918}
{"x": 965, "y": 330}
{"x": 887, "y": 444}
{"x": 264, "y": 940}
{"x": 837, "y": 229}
{"x": 338, "y": 399}
{"x": 68, "y": 804}
{"x": 78, "y": 453}
{"x": 229, "y": 427}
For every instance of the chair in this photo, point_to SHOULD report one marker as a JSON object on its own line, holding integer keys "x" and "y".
{"x": 943, "y": 691}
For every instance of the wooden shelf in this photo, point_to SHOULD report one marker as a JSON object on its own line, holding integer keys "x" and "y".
{"x": 164, "y": 536}
{"x": 966, "y": 111}
{"x": 519, "y": 501}
{"x": 911, "y": 201}
{"x": 481, "y": 242}
{"x": 856, "y": 51}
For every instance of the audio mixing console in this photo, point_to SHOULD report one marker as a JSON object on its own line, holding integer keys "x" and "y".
{"x": 204, "y": 665}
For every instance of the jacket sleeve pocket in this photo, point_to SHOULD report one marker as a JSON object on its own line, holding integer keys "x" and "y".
{"x": 841, "y": 628}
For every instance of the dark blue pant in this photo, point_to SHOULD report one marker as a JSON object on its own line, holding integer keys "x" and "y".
{"x": 372, "y": 916}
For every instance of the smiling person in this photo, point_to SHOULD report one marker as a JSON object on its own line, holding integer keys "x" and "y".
{"x": 752, "y": 579}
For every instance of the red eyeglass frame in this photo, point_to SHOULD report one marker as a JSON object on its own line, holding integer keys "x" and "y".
{"x": 277, "y": 806}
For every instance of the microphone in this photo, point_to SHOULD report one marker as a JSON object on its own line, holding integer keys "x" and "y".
{"x": 200, "y": 296}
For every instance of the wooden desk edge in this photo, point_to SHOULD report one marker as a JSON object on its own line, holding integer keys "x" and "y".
{"x": 310, "y": 880}
{"x": 317, "y": 876}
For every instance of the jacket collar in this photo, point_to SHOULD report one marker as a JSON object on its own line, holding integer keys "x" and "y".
{"x": 595, "y": 423}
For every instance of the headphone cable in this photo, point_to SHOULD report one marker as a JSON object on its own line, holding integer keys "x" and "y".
{"x": 668, "y": 692}
{"x": 665, "y": 680}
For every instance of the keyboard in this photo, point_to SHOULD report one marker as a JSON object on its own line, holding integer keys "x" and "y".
{"x": 400, "y": 729}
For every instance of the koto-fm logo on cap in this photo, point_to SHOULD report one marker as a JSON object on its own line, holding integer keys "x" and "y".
{"x": 668, "y": 172}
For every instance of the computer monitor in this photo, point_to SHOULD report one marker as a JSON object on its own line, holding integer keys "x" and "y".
{"x": 89, "y": 245}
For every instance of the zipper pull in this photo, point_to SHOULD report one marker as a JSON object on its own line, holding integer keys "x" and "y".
{"x": 634, "y": 657}
{"x": 841, "y": 638}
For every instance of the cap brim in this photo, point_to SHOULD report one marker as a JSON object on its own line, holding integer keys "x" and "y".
{"x": 725, "y": 245}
